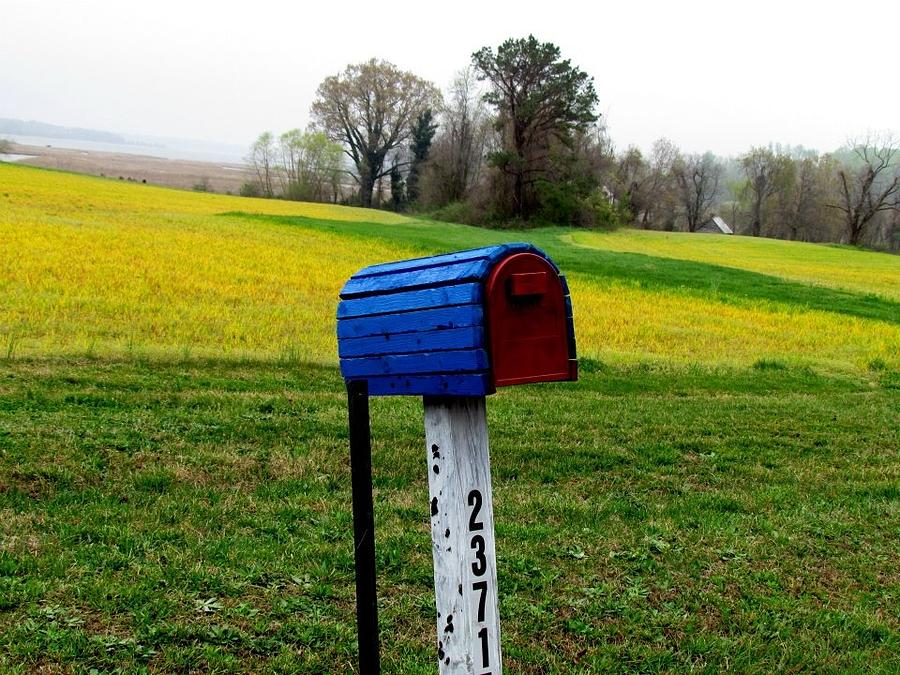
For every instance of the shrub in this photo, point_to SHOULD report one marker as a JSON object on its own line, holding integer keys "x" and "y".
{"x": 600, "y": 211}
{"x": 458, "y": 212}
{"x": 560, "y": 203}
{"x": 202, "y": 185}
{"x": 250, "y": 189}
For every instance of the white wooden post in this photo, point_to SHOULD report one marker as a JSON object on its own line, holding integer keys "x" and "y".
{"x": 462, "y": 536}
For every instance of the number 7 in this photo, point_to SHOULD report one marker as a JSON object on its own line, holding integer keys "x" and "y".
{"x": 481, "y": 586}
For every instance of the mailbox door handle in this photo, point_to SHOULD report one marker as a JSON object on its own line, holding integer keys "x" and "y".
{"x": 527, "y": 283}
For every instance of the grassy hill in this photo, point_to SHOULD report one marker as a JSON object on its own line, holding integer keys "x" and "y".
{"x": 110, "y": 269}
{"x": 718, "y": 491}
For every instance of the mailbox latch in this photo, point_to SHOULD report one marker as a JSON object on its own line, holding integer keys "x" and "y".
{"x": 527, "y": 283}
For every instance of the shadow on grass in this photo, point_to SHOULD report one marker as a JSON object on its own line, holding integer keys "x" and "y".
{"x": 719, "y": 282}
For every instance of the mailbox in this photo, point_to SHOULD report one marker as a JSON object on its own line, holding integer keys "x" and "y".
{"x": 459, "y": 324}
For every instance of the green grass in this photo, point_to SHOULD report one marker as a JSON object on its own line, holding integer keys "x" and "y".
{"x": 196, "y": 515}
{"x": 700, "y": 279}
{"x": 719, "y": 491}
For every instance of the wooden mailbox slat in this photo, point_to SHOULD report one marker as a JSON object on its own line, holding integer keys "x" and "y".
{"x": 486, "y": 253}
{"x": 426, "y": 298}
{"x": 469, "y": 337}
{"x": 410, "y": 322}
{"x": 457, "y": 361}
{"x": 473, "y": 384}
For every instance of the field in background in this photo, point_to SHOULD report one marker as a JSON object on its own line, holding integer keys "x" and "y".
{"x": 226, "y": 176}
{"x": 718, "y": 491}
{"x": 831, "y": 266}
{"x": 96, "y": 267}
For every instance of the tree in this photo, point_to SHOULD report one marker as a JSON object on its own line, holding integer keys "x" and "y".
{"x": 631, "y": 177}
{"x": 291, "y": 146}
{"x": 658, "y": 189}
{"x": 804, "y": 212}
{"x": 697, "y": 178}
{"x": 370, "y": 109}
{"x": 767, "y": 175}
{"x": 399, "y": 189}
{"x": 422, "y": 134}
{"x": 262, "y": 162}
{"x": 322, "y": 167}
{"x": 871, "y": 189}
{"x": 540, "y": 99}
{"x": 457, "y": 154}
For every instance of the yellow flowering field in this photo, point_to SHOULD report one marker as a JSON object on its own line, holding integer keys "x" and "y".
{"x": 623, "y": 322}
{"x": 101, "y": 267}
{"x": 95, "y": 266}
{"x": 825, "y": 265}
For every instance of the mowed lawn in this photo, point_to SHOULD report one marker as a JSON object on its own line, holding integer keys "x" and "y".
{"x": 719, "y": 491}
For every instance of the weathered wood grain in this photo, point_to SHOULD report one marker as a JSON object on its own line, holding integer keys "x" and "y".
{"x": 462, "y": 535}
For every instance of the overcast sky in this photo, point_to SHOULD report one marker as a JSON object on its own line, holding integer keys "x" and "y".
{"x": 718, "y": 76}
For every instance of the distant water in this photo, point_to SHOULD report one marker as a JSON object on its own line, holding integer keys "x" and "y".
{"x": 198, "y": 151}
{"x": 13, "y": 157}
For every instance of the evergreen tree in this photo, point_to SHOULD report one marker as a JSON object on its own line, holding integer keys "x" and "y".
{"x": 542, "y": 101}
{"x": 398, "y": 189}
{"x": 422, "y": 135}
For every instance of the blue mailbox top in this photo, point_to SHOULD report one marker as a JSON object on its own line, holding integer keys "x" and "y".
{"x": 420, "y": 327}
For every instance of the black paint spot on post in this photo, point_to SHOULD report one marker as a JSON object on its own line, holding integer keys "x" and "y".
{"x": 436, "y": 468}
{"x": 447, "y": 532}
{"x": 449, "y": 627}
{"x": 435, "y": 451}
{"x": 434, "y": 507}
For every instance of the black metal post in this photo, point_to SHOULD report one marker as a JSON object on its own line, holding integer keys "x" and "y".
{"x": 363, "y": 527}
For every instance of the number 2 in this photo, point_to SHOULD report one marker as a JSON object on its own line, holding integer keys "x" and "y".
{"x": 475, "y": 502}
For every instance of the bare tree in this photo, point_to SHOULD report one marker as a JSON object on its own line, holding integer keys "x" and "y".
{"x": 658, "y": 187}
{"x": 697, "y": 178}
{"x": 806, "y": 196}
{"x": 632, "y": 173}
{"x": 457, "y": 156}
{"x": 370, "y": 108}
{"x": 871, "y": 189}
{"x": 802, "y": 207}
{"x": 767, "y": 175}
{"x": 262, "y": 161}
{"x": 290, "y": 146}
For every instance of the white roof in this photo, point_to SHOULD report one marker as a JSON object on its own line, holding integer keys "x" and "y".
{"x": 722, "y": 225}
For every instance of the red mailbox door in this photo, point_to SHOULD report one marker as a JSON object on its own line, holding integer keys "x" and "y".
{"x": 527, "y": 322}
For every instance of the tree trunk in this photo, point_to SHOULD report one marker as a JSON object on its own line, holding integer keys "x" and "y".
{"x": 756, "y": 227}
{"x": 366, "y": 185}
{"x": 519, "y": 206}
{"x": 521, "y": 209}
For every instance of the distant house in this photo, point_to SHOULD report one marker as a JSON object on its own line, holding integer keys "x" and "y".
{"x": 715, "y": 225}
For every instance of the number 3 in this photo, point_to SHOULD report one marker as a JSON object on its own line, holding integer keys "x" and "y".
{"x": 480, "y": 565}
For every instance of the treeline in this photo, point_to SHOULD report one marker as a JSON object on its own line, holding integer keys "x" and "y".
{"x": 516, "y": 139}
{"x": 850, "y": 196}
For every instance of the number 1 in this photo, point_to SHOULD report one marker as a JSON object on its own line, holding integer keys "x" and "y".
{"x": 484, "y": 646}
